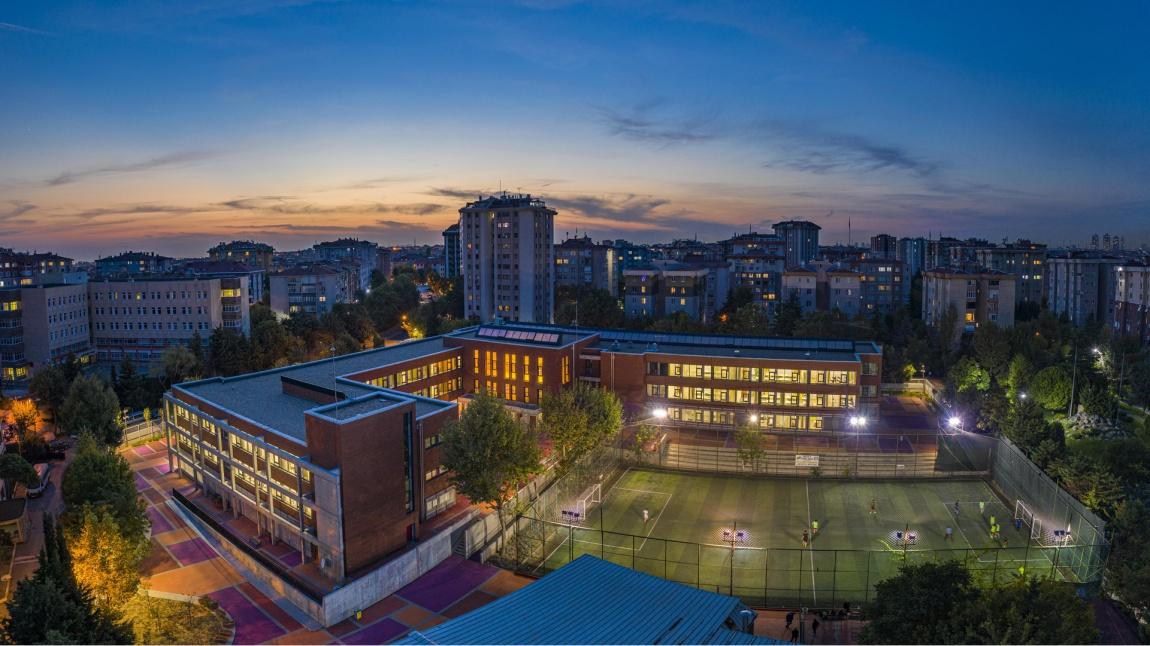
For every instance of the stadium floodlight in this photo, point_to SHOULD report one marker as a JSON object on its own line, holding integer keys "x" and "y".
{"x": 1022, "y": 395}
{"x": 659, "y": 413}
{"x": 754, "y": 418}
{"x": 954, "y": 422}
{"x": 858, "y": 421}
{"x": 1096, "y": 351}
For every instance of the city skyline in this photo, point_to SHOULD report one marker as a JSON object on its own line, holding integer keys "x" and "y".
{"x": 170, "y": 129}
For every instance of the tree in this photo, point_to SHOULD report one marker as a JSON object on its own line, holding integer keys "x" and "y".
{"x": 747, "y": 320}
{"x": 50, "y": 385}
{"x": 104, "y": 560}
{"x": 92, "y": 405}
{"x": 228, "y": 352}
{"x": 1031, "y": 611}
{"x": 52, "y": 608}
{"x": 644, "y": 434}
{"x": 1091, "y": 482}
{"x": 1096, "y": 400}
{"x": 489, "y": 453}
{"x": 579, "y": 418}
{"x": 100, "y": 477}
{"x": 787, "y": 316}
{"x": 1026, "y": 425}
{"x": 967, "y": 376}
{"x": 1051, "y": 388}
{"x": 1128, "y": 568}
{"x": 922, "y": 604}
{"x": 992, "y": 350}
{"x": 14, "y": 468}
{"x": 749, "y": 443}
{"x": 1018, "y": 375}
{"x": 130, "y": 387}
{"x": 24, "y": 418}
{"x": 178, "y": 364}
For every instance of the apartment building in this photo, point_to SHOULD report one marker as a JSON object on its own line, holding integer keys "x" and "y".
{"x": 667, "y": 287}
{"x": 579, "y": 262}
{"x": 801, "y": 239}
{"x": 912, "y": 253}
{"x": 881, "y": 285}
{"x": 247, "y": 252}
{"x": 1132, "y": 301}
{"x": 760, "y": 272}
{"x": 641, "y": 288}
{"x": 1023, "y": 259}
{"x": 311, "y": 289}
{"x": 508, "y": 258}
{"x": 22, "y": 268}
{"x": 976, "y": 298}
{"x": 137, "y": 318}
{"x": 253, "y": 275}
{"x": 43, "y": 319}
{"x": 884, "y": 246}
{"x": 802, "y": 283}
{"x": 452, "y": 255}
{"x": 1083, "y": 286}
{"x": 133, "y": 263}
{"x": 754, "y": 243}
{"x": 360, "y": 253}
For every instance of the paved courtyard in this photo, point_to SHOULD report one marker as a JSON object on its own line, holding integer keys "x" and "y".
{"x": 182, "y": 563}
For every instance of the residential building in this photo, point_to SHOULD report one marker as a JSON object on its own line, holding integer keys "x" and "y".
{"x": 843, "y": 291}
{"x": 938, "y": 252}
{"x": 884, "y": 246}
{"x": 22, "y": 268}
{"x": 253, "y": 274}
{"x": 362, "y": 253}
{"x": 1025, "y": 260}
{"x": 802, "y": 240}
{"x": 312, "y": 288}
{"x": 383, "y": 262}
{"x": 666, "y": 287}
{"x": 912, "y": 253}
{"x": 41, "y": 324}
{"x": 508, "y": 258}
{"x": 803, "y": 284}
{"x": 976, "y": 298}
{"x": 641, "y": 289}
{"x": 248, "y": 252}
{"x": 579, "y": 262}
{"x": 133, "y": 263}
{"x": 452, "y": 258}
{"x": 1132, "y": 301}
{"x": 630, "y": 256}
{"x": 137, "y": 318}
{"x": 1083, "y": 286}
{"x": 760, "y": 272}
{"x": 881, "y": 285}
{"x": 754, "y": 243}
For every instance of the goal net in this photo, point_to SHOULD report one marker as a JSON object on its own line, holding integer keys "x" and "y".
{"x": 1029, "y": 521}
{"x": 576, "y": 510}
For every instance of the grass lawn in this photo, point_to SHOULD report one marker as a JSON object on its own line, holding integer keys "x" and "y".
{"x": 684, "y": 538}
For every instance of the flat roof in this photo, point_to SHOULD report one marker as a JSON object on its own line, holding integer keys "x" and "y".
{"x": 258, "y": 396}
{"x": 592, "y": 601}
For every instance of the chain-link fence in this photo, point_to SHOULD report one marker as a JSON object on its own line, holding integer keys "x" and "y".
{"x": 857, "y": 455}
{"x": 1058, "y": 518}
{"x": 561, "y": 525}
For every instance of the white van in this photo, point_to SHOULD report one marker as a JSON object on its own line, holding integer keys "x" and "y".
{"x": 42, "y": 471}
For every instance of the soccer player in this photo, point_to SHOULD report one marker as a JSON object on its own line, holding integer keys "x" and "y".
{"x": 806, "y": 537}
{"x": 873, "y": 506}
{"x": 950, "y": 533}
{"x": 814, "y": 528}
{"x": 981, "y": 506}
{"x": 646, "y": 517}
{"x": 790, "y": 619}
{"x": 956, "y": 507}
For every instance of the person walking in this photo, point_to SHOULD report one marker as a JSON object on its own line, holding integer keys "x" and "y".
{"x": 814, "y": 528}
{"x": 646, "y": 517}
{"x": 950, "y": 533}
{"x": 806, "y": 537}
{"x": 790, "y": 619}
{"x": 794, "y": 635}
{"x": 873, "y": 506}
{"x": 981, "y": 506}
{"x": 814, "y": 627}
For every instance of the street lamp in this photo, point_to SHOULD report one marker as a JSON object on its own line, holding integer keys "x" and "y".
{"x": 954, "y": 421}
{"x": 659, "y": 413}
{"x": 754, "y": 418}
{"x": 858, "y": 421}
{"x": 1022, "y": 396}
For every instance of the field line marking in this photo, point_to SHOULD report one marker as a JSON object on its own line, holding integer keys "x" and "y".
{"x": 552, "y": 552}
{"x": 957, "y": 524}
{"x": 657, "y": 517}
{"x": 811, "y": 546}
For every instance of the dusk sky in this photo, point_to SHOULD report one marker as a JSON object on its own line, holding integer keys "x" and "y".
{"x": 170, "y": 126}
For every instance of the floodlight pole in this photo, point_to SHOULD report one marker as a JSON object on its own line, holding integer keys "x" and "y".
{"x": 905, "y": 540}
{"x": 734, "y": 535}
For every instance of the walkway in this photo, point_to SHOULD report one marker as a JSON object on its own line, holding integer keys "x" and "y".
{"x": 182, "y": 563}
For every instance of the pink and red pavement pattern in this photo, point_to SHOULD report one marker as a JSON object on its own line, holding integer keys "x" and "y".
{"x": 182, "y": 563}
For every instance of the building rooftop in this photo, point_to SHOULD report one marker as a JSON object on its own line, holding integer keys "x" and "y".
{"x": 134, "y": 255}
{"x": 505, "y": 200}
{"x": 592, "y": 601}
{"x": 259, "y": 397}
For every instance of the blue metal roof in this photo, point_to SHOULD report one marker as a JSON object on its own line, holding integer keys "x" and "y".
{"x": 592, "y": 601}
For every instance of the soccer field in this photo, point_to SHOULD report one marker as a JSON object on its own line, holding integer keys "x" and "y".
{"x": 743, "y": 536}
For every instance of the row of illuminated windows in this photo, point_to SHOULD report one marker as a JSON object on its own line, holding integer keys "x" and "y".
{"x": 728, "y": 418}
{"x": 438, "y": 502}
{"x": 210, "y": 428}
{"x": 434, "y": 472}
{"x": 752, "y": 397}
{"x": 418, "y": 373}
{"x": 139, "y": 296}
{"x": 511, "y": 365}
{"x": 511, "y": 392}
{"x": 769, "y": 375}
{"x": 440, "y": 390}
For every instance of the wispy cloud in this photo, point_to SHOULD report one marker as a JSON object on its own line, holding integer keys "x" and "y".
{"x": 813, "y": 149}
{"x": 644, "y": 124}
{"x": 7, "y": 26}
{"x": 628, "y": 207}
{"x": 18, "y": 208}
{"x": 164, "y": 161}
{"x": 456, "y": 193}
{"x": 288, "y": 205}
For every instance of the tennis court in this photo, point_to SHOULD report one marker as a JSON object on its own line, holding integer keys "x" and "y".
{"x": 743, "y": 536}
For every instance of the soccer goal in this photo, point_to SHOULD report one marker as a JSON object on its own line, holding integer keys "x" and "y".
{"x": 1026, "y": 515}
{"x": 576, "y": 511}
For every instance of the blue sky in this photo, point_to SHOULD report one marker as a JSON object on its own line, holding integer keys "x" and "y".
{"x": 171, "y": 126}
